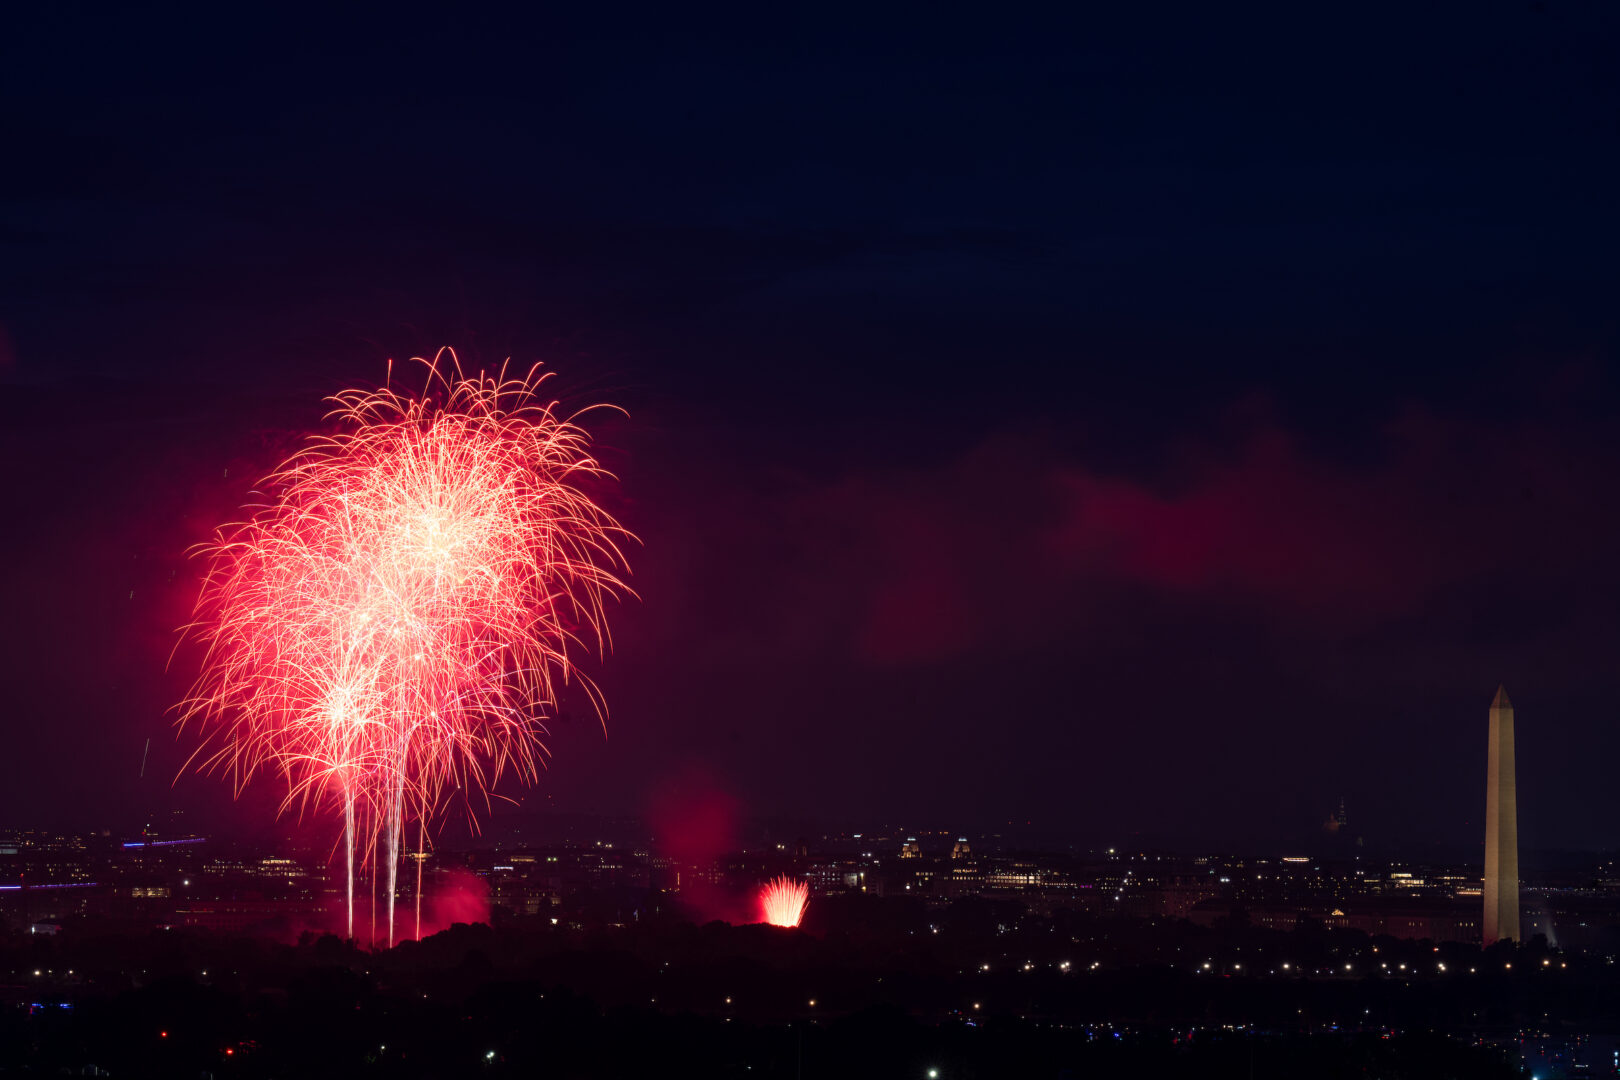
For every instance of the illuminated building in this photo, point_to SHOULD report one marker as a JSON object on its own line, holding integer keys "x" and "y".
{"x": 1501, "y": 827}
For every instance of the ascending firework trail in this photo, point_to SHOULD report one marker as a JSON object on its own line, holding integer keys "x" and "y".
{"x": 393, "y": 624}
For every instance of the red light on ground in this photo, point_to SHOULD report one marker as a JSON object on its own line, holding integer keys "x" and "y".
{"x": 229, "y": 1051}
{"x": 163, "y": 1034}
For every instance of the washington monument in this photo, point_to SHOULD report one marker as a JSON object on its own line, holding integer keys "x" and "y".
{"x": 1501, "y": 827}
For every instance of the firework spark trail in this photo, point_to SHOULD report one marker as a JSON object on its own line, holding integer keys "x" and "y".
{"x": 395, "y": 622}
{"x": 782, "y": 901}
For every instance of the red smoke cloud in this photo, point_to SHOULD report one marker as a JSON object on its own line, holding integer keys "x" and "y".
{"x": 692, "y": 817}
{"x": 935, "y": 565}
{"x": 695, "y": 823}
{"x": 449, "y": 897}
{"x": 1268, "y": 524}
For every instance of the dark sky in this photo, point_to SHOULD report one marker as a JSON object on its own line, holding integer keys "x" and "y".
{"x": 1156, "y": 421}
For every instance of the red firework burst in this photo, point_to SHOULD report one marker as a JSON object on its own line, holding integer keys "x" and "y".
{"x": 396, "y": 621}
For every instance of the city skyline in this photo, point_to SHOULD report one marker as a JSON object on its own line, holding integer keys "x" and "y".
{"x": 253, "y": 812}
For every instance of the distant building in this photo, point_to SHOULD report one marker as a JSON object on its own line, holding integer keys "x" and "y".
{"x": 1414, "y": 920}
{"x": 257, "y": 915}
{"x": 1337, "y": 820}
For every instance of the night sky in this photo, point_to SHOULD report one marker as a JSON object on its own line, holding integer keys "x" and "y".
{"x": 1152, "y": 425}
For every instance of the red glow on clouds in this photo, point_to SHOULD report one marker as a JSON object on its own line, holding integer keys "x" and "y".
{"x": 1015, "y": 539}
{"x": 1269, "y": 522}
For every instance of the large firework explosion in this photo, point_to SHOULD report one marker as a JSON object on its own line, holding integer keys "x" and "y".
{"x": 393, "y": 624}
{"x": 782, "y": 901}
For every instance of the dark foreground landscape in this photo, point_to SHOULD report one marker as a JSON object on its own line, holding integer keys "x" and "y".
{"x": 878, "y": 987}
